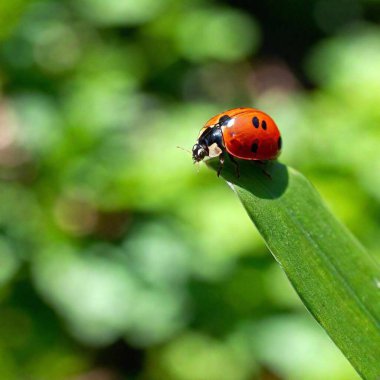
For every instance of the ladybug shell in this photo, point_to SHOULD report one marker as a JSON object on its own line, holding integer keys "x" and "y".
{"x": 248, "y": 134}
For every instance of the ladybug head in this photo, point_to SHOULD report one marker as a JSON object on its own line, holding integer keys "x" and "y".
{"x": 199, "y": 152}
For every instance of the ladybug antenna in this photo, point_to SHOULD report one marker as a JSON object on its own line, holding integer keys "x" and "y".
{"x": 186, "y": 150}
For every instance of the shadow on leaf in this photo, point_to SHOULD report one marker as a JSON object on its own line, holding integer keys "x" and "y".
{"x": 268, "y": 181}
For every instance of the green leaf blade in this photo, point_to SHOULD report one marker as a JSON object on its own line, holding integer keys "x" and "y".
{"x": 338, "y": 281}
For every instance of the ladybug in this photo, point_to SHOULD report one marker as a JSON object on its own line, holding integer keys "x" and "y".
{"x": 244, "y": 133}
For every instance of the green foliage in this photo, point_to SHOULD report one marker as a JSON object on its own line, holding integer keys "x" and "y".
{"x": 334, "y": 276}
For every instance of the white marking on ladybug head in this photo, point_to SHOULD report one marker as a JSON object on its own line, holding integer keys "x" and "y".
{"x": 214, "y": 150}
{"x": 199, "y": 152}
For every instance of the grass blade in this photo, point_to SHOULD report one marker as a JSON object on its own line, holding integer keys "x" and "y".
{"x": 337, "y": 280}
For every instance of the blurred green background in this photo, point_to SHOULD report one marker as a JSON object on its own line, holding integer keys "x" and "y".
{"x": 117, "y": 259}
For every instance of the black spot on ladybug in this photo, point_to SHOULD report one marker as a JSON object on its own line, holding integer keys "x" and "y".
{"x": 279, "y": 143}
{"x": 255, "y": 122}
{"x": 224, "y": 119}
{"x": 254, "y": 147}
{"x": 264, "y": 125}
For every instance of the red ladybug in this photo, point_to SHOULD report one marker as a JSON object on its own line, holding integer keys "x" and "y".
{"x": 245, "y": 133}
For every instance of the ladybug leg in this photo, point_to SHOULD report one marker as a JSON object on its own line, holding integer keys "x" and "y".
{"x": 262, "y": 163}
{"x": 236, "y": 165}
{"x": 267, "y": 174}
{"x": 221, "y": 163}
